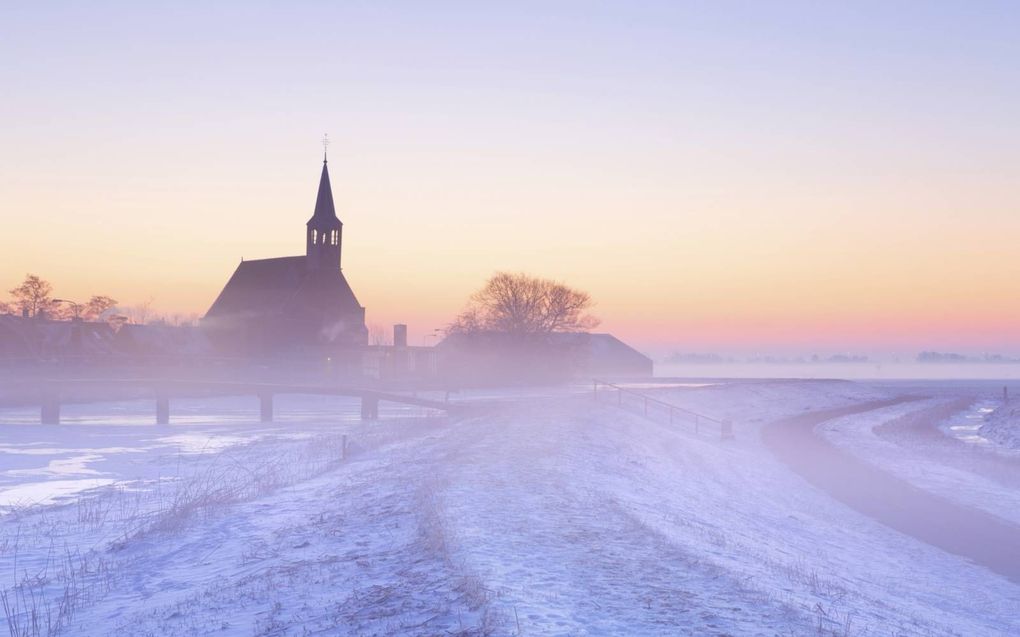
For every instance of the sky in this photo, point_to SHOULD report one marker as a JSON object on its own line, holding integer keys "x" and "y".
{"x": 782, "y": 177}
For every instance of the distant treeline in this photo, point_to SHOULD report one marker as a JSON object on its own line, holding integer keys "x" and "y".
{"x": 711, "y": 359}
{"x": 680, "y": 358}
{"x": 950, "y": 357}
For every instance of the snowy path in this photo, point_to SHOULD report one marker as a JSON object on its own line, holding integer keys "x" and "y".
{"x": 972, "y": 533}
{"x": 565, "y": 556}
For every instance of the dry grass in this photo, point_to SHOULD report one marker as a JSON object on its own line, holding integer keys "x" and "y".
{"x": 43, "y": 602}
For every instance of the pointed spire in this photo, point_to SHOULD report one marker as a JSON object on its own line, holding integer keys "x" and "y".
{"x": 324, "y": 200}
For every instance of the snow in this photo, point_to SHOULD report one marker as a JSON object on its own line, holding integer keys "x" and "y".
{"x": 959, "y": 474}
{"x": 1002, "y": 425}
{"x": 548, "y": 514}
{"x": 47, "y": 492}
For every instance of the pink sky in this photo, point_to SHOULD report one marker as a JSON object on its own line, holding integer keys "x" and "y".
{"x": 720, "y": 178}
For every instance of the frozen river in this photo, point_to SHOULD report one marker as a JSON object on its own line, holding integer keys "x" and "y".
{"x": 100, "y": 444}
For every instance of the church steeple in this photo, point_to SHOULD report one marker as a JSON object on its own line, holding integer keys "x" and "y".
{"x": 324, "y": 229}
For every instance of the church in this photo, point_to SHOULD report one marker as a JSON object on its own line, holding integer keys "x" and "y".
{"x": 292, "y": 306}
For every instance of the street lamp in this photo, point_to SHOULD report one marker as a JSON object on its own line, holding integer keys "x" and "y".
{"x": 75, "y": 307}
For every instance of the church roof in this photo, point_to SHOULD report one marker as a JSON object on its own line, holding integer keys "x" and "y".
{"x": 283, "y": 284}
{"x": 325, "y": 291}
{"x": 324, "y": 210}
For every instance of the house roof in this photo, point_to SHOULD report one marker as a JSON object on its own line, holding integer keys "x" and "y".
{"x": 15, "y": 339}
{"x": 484, "y": 356}
{"x": 166, "y": 340}
{"x": 34, "y": 337}
{"x": 599, "y": 346}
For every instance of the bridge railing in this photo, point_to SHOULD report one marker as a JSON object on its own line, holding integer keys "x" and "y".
{"x": 659, "y": 410}
{"x": 50, "y": 395}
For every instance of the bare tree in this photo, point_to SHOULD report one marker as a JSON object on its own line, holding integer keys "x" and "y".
{"x": 175, "y": 319}
{"x": 117, "y": 321}
{"x": 520, "y": 304}
{"x": 140, "y": 314}
{"x": 33, "y": 296}
{"x": 96, "y": 306}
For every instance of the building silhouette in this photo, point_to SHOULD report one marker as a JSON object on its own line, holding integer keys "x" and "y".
{"x": 292, "y": 306}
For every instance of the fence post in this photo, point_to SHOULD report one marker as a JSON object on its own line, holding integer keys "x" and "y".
{"x": 162, "y": 408}
{"x": 50, "y": 407}
{"x": 265, "y": 407}
{"x": 369, "y": 407}
{"x": 726, "y": 430}
{"x": 697, "y": 423}
{"x": 646, "y": 406}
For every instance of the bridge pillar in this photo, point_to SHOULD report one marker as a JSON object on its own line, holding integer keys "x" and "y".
{"x": 162, "y": 409}
{"x": 50, "y": 409}
{"x": 266, "y": 407}
{"x": 369, "y": 408}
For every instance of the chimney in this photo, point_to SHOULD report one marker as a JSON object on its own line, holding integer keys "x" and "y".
{"x": 399, "y": 335}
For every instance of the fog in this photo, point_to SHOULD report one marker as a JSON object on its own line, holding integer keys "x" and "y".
{"x": 890, "y": 370}
{"x": 635, "y": 505}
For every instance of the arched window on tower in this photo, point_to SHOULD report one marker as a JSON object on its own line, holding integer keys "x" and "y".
{"x": 315, "y": 235}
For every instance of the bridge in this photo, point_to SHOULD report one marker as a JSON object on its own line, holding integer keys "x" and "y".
{"x": 48, "y": 394}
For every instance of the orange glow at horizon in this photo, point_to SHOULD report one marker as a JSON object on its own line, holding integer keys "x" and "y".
{"x": 762, "y": 178}
{"x": 745, "y": 275}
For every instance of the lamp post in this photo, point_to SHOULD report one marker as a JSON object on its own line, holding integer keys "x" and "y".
{"x": 436, "y": 334}
{"x": 75, "y": 307}
{"x": 75, "y": 326}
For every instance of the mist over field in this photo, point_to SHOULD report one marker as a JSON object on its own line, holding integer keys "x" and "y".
{"x": 520, "y": 319}
{"x": 639, "y": 507}
{"x": 868, "y": 370}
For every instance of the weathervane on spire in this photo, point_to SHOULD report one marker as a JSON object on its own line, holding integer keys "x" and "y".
{"x": 325, "y": 144}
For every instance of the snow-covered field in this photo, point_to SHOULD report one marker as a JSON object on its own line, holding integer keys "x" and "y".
{"x": 547, "y": 514}
{"x": 934, "y": 465}
{"x": 1001, "y": 424}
